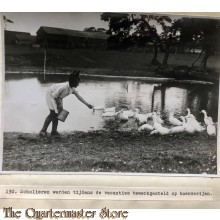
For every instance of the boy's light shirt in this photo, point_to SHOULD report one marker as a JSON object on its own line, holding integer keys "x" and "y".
{"x": 61, "y": 90}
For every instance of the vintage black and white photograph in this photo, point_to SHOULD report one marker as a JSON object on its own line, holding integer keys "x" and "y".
{"x": 111, "y": 93}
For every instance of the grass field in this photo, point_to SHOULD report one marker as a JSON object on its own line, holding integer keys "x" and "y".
{"x": 111, "y": 151}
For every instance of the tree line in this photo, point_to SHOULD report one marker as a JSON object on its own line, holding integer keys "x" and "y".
{"x": 163, "y": 34}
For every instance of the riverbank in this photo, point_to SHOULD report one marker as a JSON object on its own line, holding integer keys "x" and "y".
{"x": 111, "y": 151}
{"x": 100, "y": 62}
{"x": 55, "y": 77}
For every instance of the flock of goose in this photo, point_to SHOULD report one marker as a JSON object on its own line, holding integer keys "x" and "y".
{"x": 187, "y": 123}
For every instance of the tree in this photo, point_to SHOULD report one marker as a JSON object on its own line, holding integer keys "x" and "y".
{"x": 101, "y": 30}
{"x": 130, "y": 29}
{"x": 153, "y": 29}
{"x": 120, "y": 27}
{"x": 90, "y": 29}
{"x": 210, "y": 37}
{"x": 148, "y": 34}
{"x": 199, "y": 32}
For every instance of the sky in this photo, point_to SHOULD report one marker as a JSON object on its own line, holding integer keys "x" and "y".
{"x": 31, "y": 22}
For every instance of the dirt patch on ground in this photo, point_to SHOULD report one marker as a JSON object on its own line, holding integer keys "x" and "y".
{"x": 111, "y": 151}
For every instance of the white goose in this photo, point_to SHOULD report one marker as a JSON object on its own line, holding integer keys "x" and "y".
{"x": 98, "y": 108}
{"x": 174, "y": 121}
{"x": 159, "y": 119}
{"x": 141, "y": 118}
{"x": 194, "y": 122}
{"x": 189, "y": 113}
{"x": 207, "y": 120}
{"x": 190, "y": 128}
{"x": 137, "y": 113}
{"x": 179, "y": 129}
{"x": 145, "y": 127}
{"x": 197, "y": 125}
{"x": 156, "y": 124}
{"x": 109, "y": 114}
{"x": 159, "y": 129}
{"x": 154, "y": 132}
{"x": 211, "y": 130}
{"x": 130, "y": 113}
{"x": 112, "y": 109}
{"x": 123, "y": 116}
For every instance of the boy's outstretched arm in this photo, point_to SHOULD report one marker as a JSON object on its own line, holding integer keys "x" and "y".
{"x": 81, "y": 99}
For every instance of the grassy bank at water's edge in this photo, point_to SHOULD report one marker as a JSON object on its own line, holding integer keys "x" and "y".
{"x": 111, "y": 151}
{"x": 99, "y": 62}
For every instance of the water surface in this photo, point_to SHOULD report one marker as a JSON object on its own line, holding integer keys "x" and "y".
{"x": 25, "y": 106}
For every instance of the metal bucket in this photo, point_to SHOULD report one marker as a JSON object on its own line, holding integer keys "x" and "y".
{"x": 63, "y": 115}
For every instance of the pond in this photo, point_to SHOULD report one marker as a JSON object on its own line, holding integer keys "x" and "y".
{"x": 25, "y": 107}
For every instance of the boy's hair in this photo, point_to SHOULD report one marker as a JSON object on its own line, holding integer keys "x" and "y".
{"x": 74, "y": 78}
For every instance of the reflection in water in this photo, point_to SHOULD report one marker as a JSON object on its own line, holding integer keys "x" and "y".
{"x": 176, "y": 99}
{"x": 156, "y": 103}
{"x": 25, "y": 107}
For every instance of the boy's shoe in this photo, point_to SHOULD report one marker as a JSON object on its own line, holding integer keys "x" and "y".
{"x": 43, "y": 134}
{"x": 55, "y": 133}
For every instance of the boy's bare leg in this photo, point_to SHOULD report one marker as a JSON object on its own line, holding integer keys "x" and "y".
{"x": 54, "y": 126}
{"x": 47, "y": 122}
